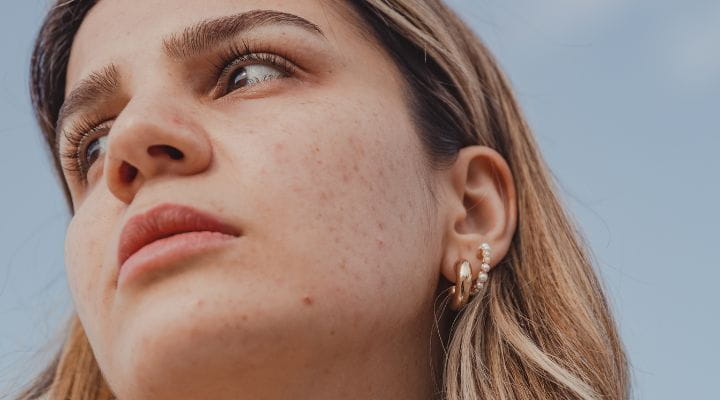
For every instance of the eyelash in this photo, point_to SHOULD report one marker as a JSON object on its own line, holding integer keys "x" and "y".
{"x": 229, "y": 61}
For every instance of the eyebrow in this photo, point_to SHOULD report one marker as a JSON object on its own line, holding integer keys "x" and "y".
{"x": 192, "y": 41}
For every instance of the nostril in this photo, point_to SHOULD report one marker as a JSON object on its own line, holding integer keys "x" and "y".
{"x": 172, "y": 152}
{"x": 127, "y": 172}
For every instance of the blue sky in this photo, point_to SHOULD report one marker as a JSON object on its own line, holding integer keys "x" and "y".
{"x": 623, "y": 97}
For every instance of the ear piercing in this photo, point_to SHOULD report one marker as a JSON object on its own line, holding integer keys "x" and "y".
{"x": 464, "y": 287}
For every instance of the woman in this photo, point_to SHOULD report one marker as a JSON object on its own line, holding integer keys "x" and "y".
{"x": 278, "y": 200}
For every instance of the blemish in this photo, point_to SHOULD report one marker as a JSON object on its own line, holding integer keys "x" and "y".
{"x": 308, "y": 300}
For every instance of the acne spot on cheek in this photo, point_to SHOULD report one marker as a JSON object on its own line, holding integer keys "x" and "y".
{"x": 358, "y": 147}
{"x": 327, "y": 197}
{"x": 279, "y": 153}
{"x": 308, "y": 301}
{"x": 380, "y": 242}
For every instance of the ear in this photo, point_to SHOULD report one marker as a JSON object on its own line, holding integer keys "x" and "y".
{"x": 480, "y": 206}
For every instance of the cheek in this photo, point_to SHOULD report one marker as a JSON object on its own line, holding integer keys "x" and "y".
{"x": 86, "y": 248}
{"x": 342, "y": 198}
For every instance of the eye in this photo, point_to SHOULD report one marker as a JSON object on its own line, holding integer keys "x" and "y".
{"x": 87, "y": 141}
{"x": 241, "y": 68}
{"x": 251, "y": 75}
{"x": 93, "y": 149}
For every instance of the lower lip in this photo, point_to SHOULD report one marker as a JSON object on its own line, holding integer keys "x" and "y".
{"x": 167, "y": 251}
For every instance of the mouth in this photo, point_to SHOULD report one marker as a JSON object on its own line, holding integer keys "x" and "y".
{"x": 167, "y": 233}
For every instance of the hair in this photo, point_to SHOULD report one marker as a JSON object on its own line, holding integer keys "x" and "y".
{"x": 543, "y": 329}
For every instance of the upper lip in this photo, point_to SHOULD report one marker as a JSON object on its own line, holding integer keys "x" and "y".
{"x": 166, "y": 220}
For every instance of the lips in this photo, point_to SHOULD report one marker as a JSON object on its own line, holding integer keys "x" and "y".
{"x": 163, "y": 221}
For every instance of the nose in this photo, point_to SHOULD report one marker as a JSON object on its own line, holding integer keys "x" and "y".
{"x": 148, "y": 142}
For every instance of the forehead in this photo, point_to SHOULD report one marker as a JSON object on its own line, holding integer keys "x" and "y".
{"x": 120, "y": 31}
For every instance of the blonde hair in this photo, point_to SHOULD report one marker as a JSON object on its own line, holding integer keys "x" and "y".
{"x": 543, "y": 329}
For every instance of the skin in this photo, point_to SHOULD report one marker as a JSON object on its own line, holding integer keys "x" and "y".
{"x": 329, "y": 292}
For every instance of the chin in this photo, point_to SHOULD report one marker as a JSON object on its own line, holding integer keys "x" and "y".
{"x": 187, "y": 336}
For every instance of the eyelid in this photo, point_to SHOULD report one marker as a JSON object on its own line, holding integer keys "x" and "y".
{"x": 78, "y": 135}
{"x": 267, "y": 59}
{"x": 235, "y": 55}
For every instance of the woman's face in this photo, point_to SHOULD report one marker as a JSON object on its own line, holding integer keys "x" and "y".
{"x": 305, "y": 145}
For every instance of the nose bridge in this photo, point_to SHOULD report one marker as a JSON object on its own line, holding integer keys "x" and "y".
{"x": 154, "y": 135}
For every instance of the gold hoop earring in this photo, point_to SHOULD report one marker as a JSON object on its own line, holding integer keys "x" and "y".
{"x": 464, "y": 287}
{"x": 463, "y": 283}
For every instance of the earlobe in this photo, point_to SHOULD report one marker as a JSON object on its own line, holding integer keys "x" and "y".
{"x": 481, "y": 206}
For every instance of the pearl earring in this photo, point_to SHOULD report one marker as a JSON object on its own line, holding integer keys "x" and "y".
{"x": 483, "y": 254}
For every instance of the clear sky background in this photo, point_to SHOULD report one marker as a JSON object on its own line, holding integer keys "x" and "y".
{"x": 623, "y": 97}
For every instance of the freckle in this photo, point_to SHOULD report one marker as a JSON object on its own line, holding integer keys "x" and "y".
{"x": 244, "y": 317}
{"x": 332, "y": 332}
{"x": 308, "y": 300}
{"x": 381, "y": 226}
{"x": 381, "y": 243}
